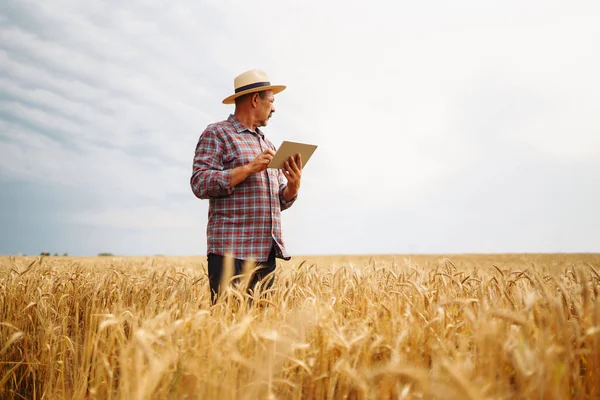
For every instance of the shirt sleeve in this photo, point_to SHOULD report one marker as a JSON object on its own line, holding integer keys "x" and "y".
{"x": 282, "y": 185}
{"x": 209, "y": 177}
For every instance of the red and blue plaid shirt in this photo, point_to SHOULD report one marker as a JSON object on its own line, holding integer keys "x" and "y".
{"x": 243, "y": 221}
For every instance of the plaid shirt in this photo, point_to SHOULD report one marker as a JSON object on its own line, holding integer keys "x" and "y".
{"x": 243, "y": 221}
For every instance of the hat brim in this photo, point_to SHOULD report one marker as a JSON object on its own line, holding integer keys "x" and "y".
{"x": 275, "y": 88}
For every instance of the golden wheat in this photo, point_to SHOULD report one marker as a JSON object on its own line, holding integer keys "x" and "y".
{"x": 472, "y": 327}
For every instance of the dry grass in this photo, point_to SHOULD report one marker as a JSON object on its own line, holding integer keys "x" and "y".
{"x": 472, "y": 327}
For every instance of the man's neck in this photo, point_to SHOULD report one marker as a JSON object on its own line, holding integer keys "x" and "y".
{"x": 246, "y": 119}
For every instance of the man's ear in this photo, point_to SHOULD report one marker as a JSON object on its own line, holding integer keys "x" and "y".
{"x": 254, "y": 99}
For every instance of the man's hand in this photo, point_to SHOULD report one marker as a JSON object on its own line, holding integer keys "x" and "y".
{"x": 257, "y": 165}
{"x": 292, "y": 170}
{"x": 261, "y": 161}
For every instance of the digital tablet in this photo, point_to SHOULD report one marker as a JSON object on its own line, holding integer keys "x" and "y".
{"x": 290, "y": 149}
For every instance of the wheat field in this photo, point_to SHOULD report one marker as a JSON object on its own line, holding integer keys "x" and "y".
{"x": 337, "y": 327}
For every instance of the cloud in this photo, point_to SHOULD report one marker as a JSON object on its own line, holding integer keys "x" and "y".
{"x": 140, "y": 217}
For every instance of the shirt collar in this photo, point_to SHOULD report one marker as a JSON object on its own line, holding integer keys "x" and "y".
{"x": 240, "y": 127}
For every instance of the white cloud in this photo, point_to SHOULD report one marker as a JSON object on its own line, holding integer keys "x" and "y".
{"x": 134, "y": 218}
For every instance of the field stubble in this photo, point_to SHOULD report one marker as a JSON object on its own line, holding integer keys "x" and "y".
{"x": 464, "y": 326}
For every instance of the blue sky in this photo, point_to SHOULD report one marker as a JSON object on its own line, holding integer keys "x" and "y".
{"x": 442, "y": 127}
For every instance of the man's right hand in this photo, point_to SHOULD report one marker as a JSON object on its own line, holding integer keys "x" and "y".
{"x": 257, "y": 165}
{"x": 261, "y": 162}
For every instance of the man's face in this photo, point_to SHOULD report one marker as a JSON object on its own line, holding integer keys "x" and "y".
{"x": 265, "y": 108}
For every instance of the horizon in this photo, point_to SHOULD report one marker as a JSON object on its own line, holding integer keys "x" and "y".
{"x": 294, "y": 256}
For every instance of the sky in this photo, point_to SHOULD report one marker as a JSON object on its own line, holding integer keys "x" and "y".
{"x": 442, "y": 127}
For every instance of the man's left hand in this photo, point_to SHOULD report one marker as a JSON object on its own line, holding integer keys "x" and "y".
{"x": 292, "y": 170}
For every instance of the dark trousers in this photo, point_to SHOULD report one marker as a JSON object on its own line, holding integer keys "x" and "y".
{"x": 215, "y": 272}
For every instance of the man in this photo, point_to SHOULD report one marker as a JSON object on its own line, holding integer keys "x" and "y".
{"x": 245, "y": 197}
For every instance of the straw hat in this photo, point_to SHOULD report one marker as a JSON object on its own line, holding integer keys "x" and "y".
{"x": 249, "y": 82}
